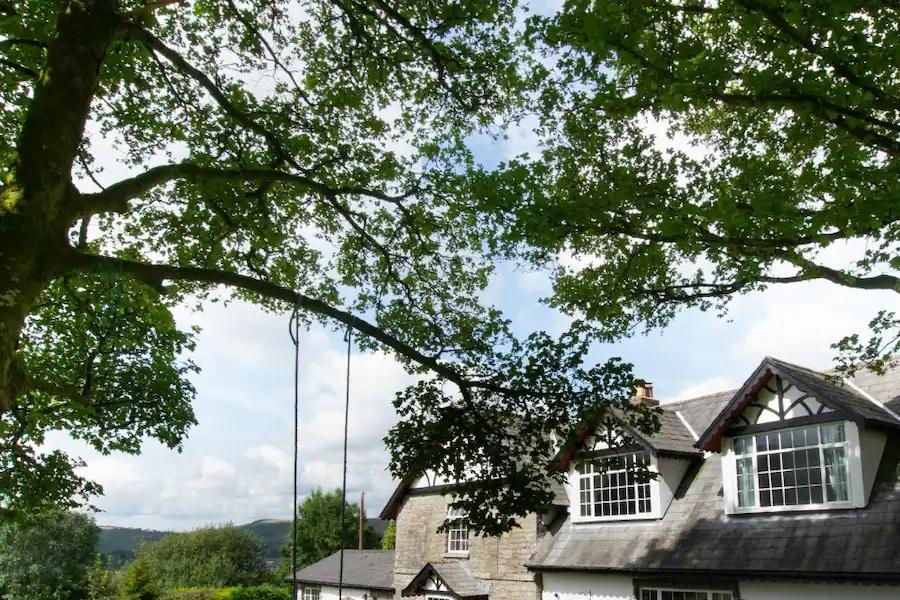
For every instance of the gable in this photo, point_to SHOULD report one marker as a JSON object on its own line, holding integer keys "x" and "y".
{"x": 447, "y": 578}
{"x": 780, "y": 391}
{"x": 778, "y": 399}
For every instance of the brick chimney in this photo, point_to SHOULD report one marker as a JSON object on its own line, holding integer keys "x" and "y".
{"x": 643, "y": 394}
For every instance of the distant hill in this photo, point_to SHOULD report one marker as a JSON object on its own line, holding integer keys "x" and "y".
{"x": 119, "y": 544}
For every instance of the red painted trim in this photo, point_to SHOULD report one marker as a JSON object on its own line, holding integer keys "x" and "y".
{"x": 715, "y": 442}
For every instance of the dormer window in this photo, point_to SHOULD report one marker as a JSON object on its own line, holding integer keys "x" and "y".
{"x": 811, "y": 467}
{"x": 458, "y": 534}
{"x": 612, "y": 487}
{"x": 802, "y": 466}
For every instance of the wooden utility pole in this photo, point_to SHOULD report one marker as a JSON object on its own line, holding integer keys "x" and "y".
{"x": 362, "y": 518}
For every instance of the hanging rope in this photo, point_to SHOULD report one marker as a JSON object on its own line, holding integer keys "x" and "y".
{"x": 294, "y": 331}
{"x": 348, "y": 337}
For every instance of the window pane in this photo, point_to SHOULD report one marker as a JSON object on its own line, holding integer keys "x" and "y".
{"x": 836, "y": 488}
{"x": 833, "y": 433}
{"x": 614, "y": 492}
{"x": 743, "y": 445}
{"x": 746, "y": 489}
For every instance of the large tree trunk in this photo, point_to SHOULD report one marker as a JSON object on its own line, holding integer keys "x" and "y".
{"x": 38, "y": 202}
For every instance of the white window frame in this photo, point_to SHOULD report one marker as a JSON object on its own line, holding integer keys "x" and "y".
{"x": 309, "y": 590}
{"x": 854, "y": 473}
{"x": 710, "y": 594}
{"x": 458, "y": 517}
{"x": 655, "y": 500}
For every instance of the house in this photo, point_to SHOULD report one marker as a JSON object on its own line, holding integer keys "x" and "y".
{"x": 367, "y": 575}
{"x": 788, "y": 487}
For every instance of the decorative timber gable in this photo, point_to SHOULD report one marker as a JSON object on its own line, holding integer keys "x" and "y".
{"x": 779, "y": 400}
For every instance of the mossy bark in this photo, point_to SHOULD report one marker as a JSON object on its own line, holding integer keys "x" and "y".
{"x": 38, "y": 202}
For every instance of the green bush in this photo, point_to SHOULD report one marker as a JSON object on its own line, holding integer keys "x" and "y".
{"x": 197, "y": 593}
{"x": 139, "y": 581}
{"x": 262, "y": 592}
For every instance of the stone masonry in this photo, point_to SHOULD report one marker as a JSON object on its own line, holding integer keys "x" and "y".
{"x": 498, "y": 562}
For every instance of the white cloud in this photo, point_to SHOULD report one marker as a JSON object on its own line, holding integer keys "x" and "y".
{"x": 714, "y": 384}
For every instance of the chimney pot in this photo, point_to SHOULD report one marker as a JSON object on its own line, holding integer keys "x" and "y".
{"x": 643, "y": 395}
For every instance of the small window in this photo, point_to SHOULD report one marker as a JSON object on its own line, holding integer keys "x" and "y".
{"x": 802, "y": 466}
{"x": 458, "y": 534}
{"x": 311, "y": 593}
{"x": 613, "y": 486}
{"x": 676, "y": 594}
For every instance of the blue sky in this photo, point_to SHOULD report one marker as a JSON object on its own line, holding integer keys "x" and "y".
{"x": 236, "y": 464}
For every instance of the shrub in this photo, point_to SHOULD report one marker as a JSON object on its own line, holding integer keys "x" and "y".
{"x": 139, "y": 582}
{"x": 198, "y": 593}
{"x": 262, "y": 592}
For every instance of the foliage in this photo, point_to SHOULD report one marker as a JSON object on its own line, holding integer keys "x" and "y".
{"x": 47, "y": 556}
{"x": 694, "y": 151}
{"x": 208, "y": 557}
{"x": 200, "y": 593}
{"x": 316, "y": 164}
{"x": 101, "y": 582}
{"x": 319, "y": 528}
{"x": 262, "y": 592}
{"x": 140, "y": 581}
{"x": 389, "y": 540}
{"x": 111, "y": 346}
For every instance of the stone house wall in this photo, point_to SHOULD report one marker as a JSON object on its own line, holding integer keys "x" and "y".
{"x": 498, "y": 561}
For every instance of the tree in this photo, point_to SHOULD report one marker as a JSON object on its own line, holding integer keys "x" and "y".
{"x": 139, "y": 581}
{"x": 389, "y": 540}
{"x": 47, "y": 556}
{"x": 319, "y": 528}
{"x": 783, "y": 120}
{"x": 307, "y": 156}
{"x": 208, "y": 557}
{"x": 101, "y": 582}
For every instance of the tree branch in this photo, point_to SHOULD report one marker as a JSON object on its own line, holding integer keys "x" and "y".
{"x": 813, "y": 270}
{"x": 115, "y": 197}
{"x": 184, "y": 67}
{"x": 839, "y": 66}
{"x": 155, "y": 274}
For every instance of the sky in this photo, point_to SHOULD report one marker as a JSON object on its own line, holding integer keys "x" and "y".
{"x": 236, "y": 464}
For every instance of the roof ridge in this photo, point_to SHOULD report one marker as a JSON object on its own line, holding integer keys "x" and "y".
{"x": 671, "y": 403}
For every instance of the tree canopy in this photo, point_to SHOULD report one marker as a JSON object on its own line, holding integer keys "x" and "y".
{"x": 319, "y": 528}
{"x": 207, "y": 557}
{"x": 692, "y": 151}
{"x": 47, "y": 556}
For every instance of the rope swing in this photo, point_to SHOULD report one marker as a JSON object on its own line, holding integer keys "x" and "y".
{"x": 348, "y": 337}
{"x": 294, "y": 331}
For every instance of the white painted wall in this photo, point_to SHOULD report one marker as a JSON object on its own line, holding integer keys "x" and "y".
{"x": 759, "y": 590}
{"x": 598, "y": 586}
{"x": 331, "y": 593}
{"x": 587, "y": 586}
{"x": 671, "y": 472}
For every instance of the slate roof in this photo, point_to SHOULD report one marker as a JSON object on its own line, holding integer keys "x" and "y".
{"x": 367, "y": 569}
{"x": 455, "y": 575}
{"x": 673, "y": 437}
{"x": 695, "y": 535}
{"x": 699, "y": 411}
